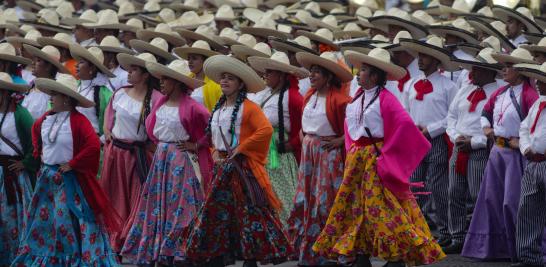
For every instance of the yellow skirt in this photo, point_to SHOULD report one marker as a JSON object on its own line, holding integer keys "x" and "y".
{"x": 367, "y": 218}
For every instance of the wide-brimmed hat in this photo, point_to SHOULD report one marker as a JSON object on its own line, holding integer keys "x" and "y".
{"x": 298, "y": 44}
{"x": 191, "y": 20}
{"x": 329, "y": 22}
{"x": 132, "y": 25}
{"x": 224, "y": 13}
{"x": 485, "y": 13}
{"x": 48, "y": 19}
{"x": 158, "y": 46}
{"x": 6, "y": 83}
{"x": 64, "y": 84}
{"x": 92, "y": 55}
{"x": 59, "y": 40}
{"x": 88, "y": 16}
{"x": 540, "y": 47}
{"x": 259, "y": 50}
{"x": 432, "y": 47}
{"x": 534, "y": 38}
{"x": 532, "y": 71}
{"x": 459, "y": 7}
{"x": 379, "y": 58}
{"x": 177, "y": 70}
{"x": 217, "y": 65}
{"x": 326, "y": 60}
{"x": 126, "y": 60}
{"x": 187, "y": 5}
{"x": 395, "y": 46}
{"x": 519, "y": 55}
{"x": 484, "y": 60}
{"x": 111, "y": 44}
{"x": 30, "y": 38}
{"x": 166, "y": 15}
{"x": 199, "y": 47}
{"x": 163, "y": 31}
{"x": 522, "y": 14}
{"x": 401, "y": 19}
{"x": 459, "y": 28}
{"x": 8, "y": 53}
{"x": 204, "y": 33}
{"x": 323, "y": 35}
{"x": 108, "y": 19}
{"x": 351, "y": 30}
{"x": 278, "y": 61}
{"x": 495, "y": 28}
{"x": 265, "y": 28}
{"x": 48, "y": 53}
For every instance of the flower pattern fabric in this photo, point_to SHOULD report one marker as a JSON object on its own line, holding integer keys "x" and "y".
{"x": 284, "y": 180}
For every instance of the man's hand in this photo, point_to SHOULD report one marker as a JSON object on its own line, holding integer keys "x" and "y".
{"x": 464, "y": 143}
{"x": 514, "y": 143}
{"x": 488, "y": 131}
{"x": 16, "y": 166}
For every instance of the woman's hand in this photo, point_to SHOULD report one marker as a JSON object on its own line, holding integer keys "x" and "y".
{"x": 488, "y": 131}
{"x": 216, "y": 157}
{"x": 187, "y": 146}
{"x": 107, "y": 137}
{"x": 334, "y": 143}
{"x": 514, "y": 143}
{"x": 16, "y": 166}
{"x": 65, "y": 168}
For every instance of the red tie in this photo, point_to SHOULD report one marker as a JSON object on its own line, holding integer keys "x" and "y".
{"x": 541, "y": 107}
{"x": 403, "y": 81}
{"x": 422, "y": 87}
{"x": 475, "y": 98}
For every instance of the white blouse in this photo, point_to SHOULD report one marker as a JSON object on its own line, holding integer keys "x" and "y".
{"x": 222, "y": 118}
{"x": 314, "y": 119}
{"x": 127, "y": 117}
{"x": 357, "y": 121}
{"x": 536, "y": 140}
{"x": 9, "y": 131}
{"x": 168, "y": 127}
{"x": 271, "y": 109}
{"x": 506, "y": 121}
{"x": 61, "y": 151}
{"x": 197, "y": 95}
{"x": 87, "y": 89}
{"x": 36, "y": 102}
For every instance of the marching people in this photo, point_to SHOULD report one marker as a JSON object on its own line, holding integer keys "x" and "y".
{"x": 111, "y": 47}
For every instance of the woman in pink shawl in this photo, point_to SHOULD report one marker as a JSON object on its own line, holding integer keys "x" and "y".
{"x": 374, "y": 213}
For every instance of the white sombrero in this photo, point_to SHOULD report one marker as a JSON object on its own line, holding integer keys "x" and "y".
{"x": 323, "y": 35}
{"x": 259, "y": 50}
{"x": 265, "y": 28}
{"x": 158, "y": 46}
{"x": 127, "y": 60}
{"x": 92, "y": 55}
{"x": 199, "y": 47}
{"x": 298, "y": 44}
{"x": 191, "y": 20}
{"x": 495, "y": 28}
{"x": 8, "y": 53}
{"x": 215, "y": 66}
{"x": 224, "y": 13}
{"x": 326, "y": 60}
{"x": 30, "y": 38}
{"x": 484, "y": 59}
{"x": 379, "y": 58}
{"x": 229, "y": 36}
{"x": 88, "y": 16}
{"x": 532, "y": 71}
{"x": 519, "y": 55}
{"x": 401, "y": 19}
{"x": 6, "y": 83}
{"x": 59, "y": 40}
{"x": 48, "y": 53}
{"x": 108, "y": 19}
{"x": 132, "y": 25}
{"x": 540, "y": 47}
{"x": 48, "y": 20}
{"x": 204, "y": 33}
{"x": 64, "y": 84}
{"x": 278, "y": 61}
{"x": 432, "y": 47}
{"x": 522, "y": 14}
{"x": 177, "y": 70}
{"x": 459, "y": 27}
{"x": 163, "y": 31}
{"x": 111, "y": 44}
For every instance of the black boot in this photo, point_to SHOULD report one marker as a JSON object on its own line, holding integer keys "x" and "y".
{"x": 395, "y": 264}
{"x": 362, "y": 261}
{"x": 250, "y": 263}
{"x": 453, "y": 248}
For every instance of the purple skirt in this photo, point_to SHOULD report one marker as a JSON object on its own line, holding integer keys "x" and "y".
{"x": 492, "y": 231}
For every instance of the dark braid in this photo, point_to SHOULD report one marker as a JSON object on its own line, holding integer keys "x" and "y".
{"x": 220, "y": 102}
{"x": 152, "y": 83}
{"x": 96, "y": 98}
{"x": 280, "y": 113}
{"x": 238, "y": 103}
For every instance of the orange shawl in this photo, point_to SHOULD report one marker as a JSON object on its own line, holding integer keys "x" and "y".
{"x": 71, "y": 66}
{"x": 256, "y": 133}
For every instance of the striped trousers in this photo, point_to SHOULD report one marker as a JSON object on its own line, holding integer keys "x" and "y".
{"x": 531, "y": 218}
{"x": 462, "y": 186}
{"x": 433, "y": 171}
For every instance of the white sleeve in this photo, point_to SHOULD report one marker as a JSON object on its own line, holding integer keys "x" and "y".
{"x": 525, "y": 130}
{"x": 452, "y": 116}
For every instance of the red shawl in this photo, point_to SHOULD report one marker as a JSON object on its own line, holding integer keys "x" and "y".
{"x": 295, "y": 110}
{"x": 85, "y": 164}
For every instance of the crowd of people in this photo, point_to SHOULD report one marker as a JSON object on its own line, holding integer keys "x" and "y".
{"x": 200, "y": 133}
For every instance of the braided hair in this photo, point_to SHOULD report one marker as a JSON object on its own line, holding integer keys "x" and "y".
{"x": 238, "y": 103}
{"x": 280, "y": 113}
{"x": 381, "y": 81}
{"x": 152, "y": 83}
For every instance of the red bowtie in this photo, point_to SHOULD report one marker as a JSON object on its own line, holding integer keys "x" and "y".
{"x": 541, "y": 107}
{"x": 422, "y": 87}
{"x": 403, "y": 81}
{"x": 475, "y": 98}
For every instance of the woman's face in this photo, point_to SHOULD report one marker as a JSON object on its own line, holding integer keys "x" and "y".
{"x": 230, "y": 84}
{"x": 273, "y": 78}
{"x": 365, "y": 79}
{"x": 126, "y": 37}
{"x": 85, "y": 70}
{"x": 136, "y": 75}
{"x": 41, "y": 68}
{"x": 509, "y": 74}
{"x": 317, "y": 77}
{"x": 59, "y": 102}
{"x": 195, "y": 62}
{"x": 167, "y": 85}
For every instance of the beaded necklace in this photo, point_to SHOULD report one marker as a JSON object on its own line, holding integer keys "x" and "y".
{"x": 56, "y": 134}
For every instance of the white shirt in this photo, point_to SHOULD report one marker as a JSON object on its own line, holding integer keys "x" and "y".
{"x": 506, "y": 121}
{"x": 127, "y": 117}
{"x": 431, "y": 112}
{"x": 459, "y": 54}
{"x": 120, "y": 80}
{"x": 392, "y": 86}
{"x": 62, "y": 150}
{"x": 222, "y": 118}
{"x": 464, "y": 80}
{"x": 9, "y": 131}
{"x": 36, "y": 102}
{"x": 271, "y": 108}
{"x": 89, "y": 42}
{"x": 27, "y": 75}
{"x": 314, "y": 119}
{"x": 168, "y": 127}
{"x": 461, "y": 122}
{"x": 519, "y": 40}
{"x": 304, "y": 85}
{"x": 87, "y": 89}
{"x": 197, "y": 95}
{"x": 536, "y": 140}
{"x": 413, "y": 69}
{"x": 357, "y": 121}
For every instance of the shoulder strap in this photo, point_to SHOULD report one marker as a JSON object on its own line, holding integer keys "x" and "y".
{"x": 516, "y": 104}
{"x": 265, "y": 101}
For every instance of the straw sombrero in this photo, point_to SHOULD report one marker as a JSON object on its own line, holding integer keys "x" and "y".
{"x": 533, "y": 38}
{"x": 48, "y": 20}
{"x": 111, "y": 44}
{"x": 59, "y": 40}
{"x": 191, "y": 20}
{"x": 199, "y": 47}
{"x": 177, "y": 70}
{"x": 432, "y": 47}
{"x": 158, "y": 46}
{"x": 540, "y": 47}
{"x": 93, "y": 55}
{"x": 401, "y": 19}
{"x": 484, "y": 60}
{"x": 217, "y": 65}
{"x": 495, "y": 28}
{"x": 326, "y": 60}
{"x": 8, "y": 53}
{"x": 522, "y": 14}
{"x": 324, "y": 36}
{"x": 224, "y": 13}
{"x": 265, "y": 28}
{"x": 519, "y": 55}
{"x": 6, "y": 83}
{"x": 351, "y": 30}
{"x": 459, "y": 28}
{"x": 242, "y": 52}
{"x": 379, "y": 58}
{"x": 88, "y": 16}
{"x": 229, "y": 36}
{"x": 278, "y": 61}
{"x": 48, "y": 53}
{"x": 108, "y": 19}
{"x": 204, "y": 33}
{"x": 396, "y": 47}
{"x": 298, "y": 44}
{"x": 128, "y": 60}
{"x": 163, "y": 31}
{"x": 64, "y": 84}
{"x": 532, "y": 71}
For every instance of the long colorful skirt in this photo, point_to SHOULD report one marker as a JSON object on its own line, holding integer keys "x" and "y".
{"x": 170, "y": 199}
{"x": 61, "y": 228}
{"x": 122, "y": 183}
{"x": 368, "y": 219}
{"x": 12, "y": 214}
{"x": 320, "y": 175}
{"x": 236, "y": 222}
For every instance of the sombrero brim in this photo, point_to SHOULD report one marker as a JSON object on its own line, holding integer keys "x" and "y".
{"x": 505, "y": 58}
{"x": 261, "y": 64}
{"x": 183, "y": 52}
{"x": 317, "y": 38}
{"x": 274, "y": 3}
{"x": 442, "y": 30}
{"x": 416, "y": 30}
{"x": 485, "y": 27}
{"x": 43, "y": 41}
{"x": 307, "y": 60}
{"x": 288, "y": 46}
{"x": 393, "y": 71}
{"x": 317, "y": 23}
{"x": 74, "y": 21}
{"x": 117, "y": 50}
{"x": 157, "y": 70}
{"x": 469, "y": 64}
{"x": 113, "y": 26}
{"x": 182, "y": 7}
{"x": 48, "y": 27}
{"x": 20, "y": 88}
{"x": 243, "y": 52}
{"x": 470, "y": 48}
{"x": 534, "y": 48}
{"x": 22, "y": 40}
{"x": 215, "y": 66}
{"x": 534, "y": 38}
{"x": 128, "y": 60}
{"x": 503, "y": 13}
{"x": 359, "y": 49}
{"x": 439, "y": 53}
{"x": 295, "y": 25}
{"x": 350, "y": 34}
{"x": 48, "y": 85}
{"x": 450, "y": 10}
{"x": 147, "y": 35}
{"x": 265, "y": 32}
{"x": 15, "y": 59}
{"x": 397, "y": 48}
{"x": 228, "y": 41}
{"x": 187, "y": 34}
{"x": 78, "y": 52}
{"x": 531, "y": 71}
{"x": 141, "y": 47}
{"x": 39, "y": 53}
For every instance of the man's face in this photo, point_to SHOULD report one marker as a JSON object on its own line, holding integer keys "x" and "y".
{"x": 513, "y": 28}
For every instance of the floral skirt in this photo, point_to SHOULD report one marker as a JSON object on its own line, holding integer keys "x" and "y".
{"x": 231, "y": 226}
{"x": 367, "y": 218}
{"x": 320, "y": 174}
{"x": 12, "y": 216}
{"x": 169, "y": 201}
{"x": 61, "y": 229}
{"x": 284, "y": 179}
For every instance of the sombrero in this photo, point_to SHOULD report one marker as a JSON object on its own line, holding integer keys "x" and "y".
{"x": 176, "y": 70}
{"x": 534, "y": 38}
{"x": 495, "y": 28}
{"x": 329, "y": 22}
{"x": 432, "y": 47}
{"x": 166, "y": 15}
{"x": 163, "y": 31}
{"x": 59, "y": 40}
{"x": 64, "y": 84}
{"x": 224, "y": 13}
{"x": 519, "y": 55}
{"x": 127, "y": 60}
{"x": 351, "y": 30}
{"x": 6, "y": 83}
{"x": 278, "y": 61}
{"x": 157, "y": 46}
{"x": 204, "y": 33}
{"x": 532, "y": 71}
{"x": 191, "y": 20}
{"x": 111, "y": 44}
{"x": 540, "y": 47}
{"x": 459, "y": 28}
{"x": 49, "y": 54}
{"x": 459, "y": 7}
{"x": 265, "y": 28}
{"x": 93, "y": 55}
{"x": 229, "y": 36}
{"x": 395, "y": 46}
{"x": 401, "y": 19}
{"x": 522, "y": 14}
{"x": 48, "y": 20}
{"x": 243, "y": 52}
{"x": 324, "y": 36}
{"x": 132, "y": 25}
{"x": 199, "y": 47}
{"x": 326, "y": 60}
{"x": 30, "y": 38}
{"x": 217, "y": 65}
{"x": 484, "y": 59}
{"x": 298, "y": 44}
{"x": 108, "y": 19}
{"x": 8, "y": 53}
{"x": 88, "y": 16}
{"x": 379, "y": 58}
